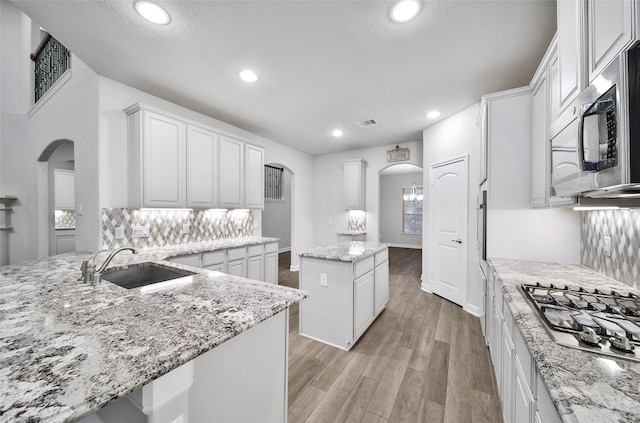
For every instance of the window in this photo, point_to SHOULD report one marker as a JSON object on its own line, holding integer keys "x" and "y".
{"x": 411, "y": 213}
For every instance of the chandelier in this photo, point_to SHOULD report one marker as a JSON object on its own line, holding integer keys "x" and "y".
{"x": 414, "y": 197}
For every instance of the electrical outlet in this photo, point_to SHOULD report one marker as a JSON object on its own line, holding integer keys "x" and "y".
{"x": 140, "y": 231}
{"x": 323, "y": 279}
{"x": 119, "y": 232}
{"x": 186, "y": 228}
{"x": 79, "y": 209}
{"x": 606, "y": 246}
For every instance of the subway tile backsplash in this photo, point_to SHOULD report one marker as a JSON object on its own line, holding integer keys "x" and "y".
{"x": 623, "y": 226}
{"x": 166, "y": 227}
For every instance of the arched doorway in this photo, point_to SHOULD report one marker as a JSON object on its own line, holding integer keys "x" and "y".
{"x": 400, "y": 222}
{"x": 59, "y": 157}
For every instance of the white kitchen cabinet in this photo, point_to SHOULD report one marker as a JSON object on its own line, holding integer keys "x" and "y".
{"x": 255, "y": 262}
{"x": 215, "y": 260}
{"x": 523, "y": 402}
{"x": 382, "y": 286}
{"x": 254, "y": 177}
{"x": 271, "y": 263}
{"x": 540, "y": 143}
{"x": 354, "y": 184}
{"x": 508, "y": 363}
{"x": 483, "y": 147}
{"x": 611, "y": 29}
{"x": 65, "y": 240}
{"x": 237, "y": 261}
{"x": 202, "y": 168}
{"x": 570, "y": 50}
{"x": 194, "y": 260}
{"x": 545, "y": 410}
{"x": 364, "y": 302}
{"x": 231, "y": 176}
{"x": 157, "y": 159}
{"x": 64, "y": 189}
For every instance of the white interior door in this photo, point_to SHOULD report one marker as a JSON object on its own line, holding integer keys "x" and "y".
{"x": 448, "y": 198}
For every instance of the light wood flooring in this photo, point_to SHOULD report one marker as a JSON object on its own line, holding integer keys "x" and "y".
{"x": 423, "y": 360}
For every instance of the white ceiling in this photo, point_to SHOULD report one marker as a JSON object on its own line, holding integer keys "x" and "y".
{"x": 322, "y": 64}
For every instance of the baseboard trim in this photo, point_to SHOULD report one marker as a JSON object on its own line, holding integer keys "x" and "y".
{"x": 294, "y": 268}
{"x": 471, "y": 309}
{"x": 413, "y": 246}
{"x": 425, "y": 288}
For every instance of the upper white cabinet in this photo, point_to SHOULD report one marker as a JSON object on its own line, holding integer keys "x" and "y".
{"x": 570, "y": 56}
{"x": 231, "y": 174}
{"x": 177, "y": 163}
{"x": 202, "y": 175}
{"x": 254, "y": 177}
{"x": 354, "y": 184}
{"x": 610, "y": 30}
{"x": 64, "y": 189}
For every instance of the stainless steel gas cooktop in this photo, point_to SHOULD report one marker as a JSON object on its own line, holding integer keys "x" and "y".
{"x": 604, "y": 322}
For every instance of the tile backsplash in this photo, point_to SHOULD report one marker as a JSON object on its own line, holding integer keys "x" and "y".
{"x": 64, "y": 219}
{"x": 357, "y": 221}
{"x": 166, "y": 227}
{"x": 623, "y": 226}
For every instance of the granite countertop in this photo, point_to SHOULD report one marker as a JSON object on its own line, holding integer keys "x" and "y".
{"x": 68, "y": 348}
{"x": 580, "y": 383}
{"x": 199, "y": 247}
{"x": 352, "y": 233}
{"x": 347, "y": 251}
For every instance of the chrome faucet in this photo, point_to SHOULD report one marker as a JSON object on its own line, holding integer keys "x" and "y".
{"x": 88, "y": 268}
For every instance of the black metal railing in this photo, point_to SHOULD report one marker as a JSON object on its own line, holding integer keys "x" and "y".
{"x": 52, "y": 59}
{"x": 273, "y": 182}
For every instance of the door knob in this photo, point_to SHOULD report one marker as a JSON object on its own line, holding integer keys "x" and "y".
{"x": 458, "y": 241}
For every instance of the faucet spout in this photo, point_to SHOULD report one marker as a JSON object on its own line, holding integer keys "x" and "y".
{"x": 112, "y": 255}
{"x": 88, "y": 267}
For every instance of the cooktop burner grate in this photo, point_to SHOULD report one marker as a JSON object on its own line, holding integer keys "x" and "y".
{"x": 592, "y": 320}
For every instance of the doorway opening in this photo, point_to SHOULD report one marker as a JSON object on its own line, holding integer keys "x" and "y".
{"x": 400, "y": 223}
{"x": 59, "y": 157}
{"x": 277, "y": 217}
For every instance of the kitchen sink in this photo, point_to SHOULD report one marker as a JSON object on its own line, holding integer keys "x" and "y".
{"x": 143, "y": 274}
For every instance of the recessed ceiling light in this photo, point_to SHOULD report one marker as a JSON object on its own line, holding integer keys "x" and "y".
{"x": 405, "y": 10}
{"x": 337, "y": 133}
{"x": 152, "y": 12}
{"x": 433, "y": 114}
{"x": 248, "y": 75}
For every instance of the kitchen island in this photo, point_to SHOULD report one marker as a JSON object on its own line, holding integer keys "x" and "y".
{"x": 559, "y": 383}
{"x": 348, "y": 286}
{"x": 68, "y": 349}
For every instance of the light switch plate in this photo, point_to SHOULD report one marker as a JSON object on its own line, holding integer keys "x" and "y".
{"x": 606, "y": 246}
{"x": 140, "y": 231}
{"x": 323, "y": 279}
{"x": 186, "y": 228}
{"x": 119, "y": 232}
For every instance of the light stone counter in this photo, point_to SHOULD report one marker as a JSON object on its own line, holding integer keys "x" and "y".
{"x": 68, "y": 349}
{"x": 582, "y": 386}
{"x": 347, "y": 251}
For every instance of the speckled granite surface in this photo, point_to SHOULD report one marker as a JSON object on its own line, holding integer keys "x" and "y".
{"x": 348, "y": 251}
{"x": 580, "y": 383}
{"x": 68, "y": 349}
{"x": 352, "y": 233}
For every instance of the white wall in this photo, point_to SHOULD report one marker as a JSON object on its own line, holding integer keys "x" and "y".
{"x": 114, "y": 97}
{"x": 70, "y": 114}
{"x": 391, "y": 208}
{"x": 453, "y": 137}
{"x": 276, "y": 217}
{"x": 330, "y": 216}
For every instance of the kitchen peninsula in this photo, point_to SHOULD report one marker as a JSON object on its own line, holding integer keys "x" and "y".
{"x": 69, "y": 349}
{"x": 348, "y": 286}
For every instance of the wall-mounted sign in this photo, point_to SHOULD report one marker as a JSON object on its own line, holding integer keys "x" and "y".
{"x": 398, "y": 154}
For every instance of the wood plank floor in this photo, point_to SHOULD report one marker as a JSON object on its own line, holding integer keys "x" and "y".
{"x": 423, "y": 360}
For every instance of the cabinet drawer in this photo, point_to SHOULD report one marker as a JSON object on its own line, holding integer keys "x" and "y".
{"x": 363, "y": 266}
{"x": 236, "y": 253}
{"x": 213, "y": 258}
{"x": 255, "y": 250}
{"x": 190, "y": 260}
{"x": 271, "y": 247}
{"x": 382, "y": 256}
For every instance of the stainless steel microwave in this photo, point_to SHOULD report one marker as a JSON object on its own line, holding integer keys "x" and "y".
{"x": 597, "y": 151}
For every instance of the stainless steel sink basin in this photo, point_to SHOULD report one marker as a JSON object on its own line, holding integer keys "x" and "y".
{"x": 142, "y": 275}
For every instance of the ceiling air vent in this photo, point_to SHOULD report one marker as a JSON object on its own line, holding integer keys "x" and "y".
{"x": 368, "y": 122}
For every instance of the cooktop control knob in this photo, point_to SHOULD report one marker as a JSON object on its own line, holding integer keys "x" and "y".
{"x": 621, "y": 342}
{"x": 589, "y": 336}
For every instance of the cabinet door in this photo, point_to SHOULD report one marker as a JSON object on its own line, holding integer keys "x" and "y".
{"x": 382, "y": 286}
{"x": 569, "y": 14}
{"x": 554, "y": 89}
{"x": 523, "y": 403}
{"x": 508, "y": 356}
{"x": 231, "y": 173}
{"x": 216, "y": 267}
{"x": 354, "y": 184}
{"x": 194, "y": 260}
{"x": 64, "y": 189}
{"x": 496, "y": 345}
{"x": 164, "y": 161}
{"x": 271, "y": 268}
{"x": 255, "y": 268}
{"x": 609, "y": 31}
{"x": 483, "y": 147}
{"x": 254, "y": 178}
{"x": 363, "y": 312}
{"x": 539, "y": 125}
{"x": 202, "y": 168}
{"x": 237, "y": 268}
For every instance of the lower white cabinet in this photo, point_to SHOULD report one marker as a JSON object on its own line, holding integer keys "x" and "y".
{"x": 364, "y": 302}
{"x": 523, "y": 402}
{"x": 258, "y": 262}
{"x": 381, "y": 286}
